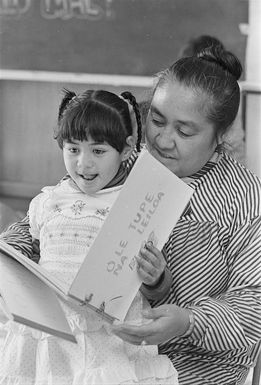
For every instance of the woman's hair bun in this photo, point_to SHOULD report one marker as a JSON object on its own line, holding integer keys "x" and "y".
{"x": 226, "y": 59}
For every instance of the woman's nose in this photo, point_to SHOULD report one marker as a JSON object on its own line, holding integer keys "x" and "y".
{"x": 166, "y": 138}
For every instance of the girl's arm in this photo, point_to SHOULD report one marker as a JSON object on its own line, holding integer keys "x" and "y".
{"x": 156, "y": 277}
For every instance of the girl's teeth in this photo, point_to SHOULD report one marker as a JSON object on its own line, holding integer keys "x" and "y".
{"x": 88, "y": 177}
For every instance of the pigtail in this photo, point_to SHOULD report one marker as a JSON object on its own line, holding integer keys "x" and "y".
{"x": 68, "y": 95}
{"x": 132, "y": 100}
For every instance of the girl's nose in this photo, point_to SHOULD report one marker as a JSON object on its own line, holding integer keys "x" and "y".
{"x": 85, "y": 161}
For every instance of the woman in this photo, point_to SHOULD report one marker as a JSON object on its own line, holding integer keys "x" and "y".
{"x": 209, "y": 322}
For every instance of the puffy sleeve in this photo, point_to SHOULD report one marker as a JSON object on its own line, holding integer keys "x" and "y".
{"x": 19, "y": 236}
{"x": 35, "y": 216}
{"x": 232, "y": 319}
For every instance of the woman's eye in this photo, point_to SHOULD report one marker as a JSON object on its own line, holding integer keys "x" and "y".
{"x": 157, "y": 122}
{"x": 183, "y": 133}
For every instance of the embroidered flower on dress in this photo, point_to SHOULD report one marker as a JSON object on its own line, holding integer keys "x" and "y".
{"x": 103, "y": 212}
{"x": 57, "y": 209}
{"x": 77, "y": 207}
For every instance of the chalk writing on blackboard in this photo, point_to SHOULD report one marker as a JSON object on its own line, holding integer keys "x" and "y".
{"x": 14, "y": 7}
{"x": 62, "y": 9}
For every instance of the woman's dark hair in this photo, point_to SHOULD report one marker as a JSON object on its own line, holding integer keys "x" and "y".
{"x": 198, "y": 44}
{"x": 215, "y": 72}
{"x": 99, "y": 114}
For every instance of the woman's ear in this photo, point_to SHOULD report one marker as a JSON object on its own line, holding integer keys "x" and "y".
{"x": 129, "y": 147}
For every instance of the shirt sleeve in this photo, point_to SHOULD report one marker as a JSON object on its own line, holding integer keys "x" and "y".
{"x": 35, "y": 216}
{"x": 18, "y": 236}
{"x": 158, "y": 291}
{"x": 23, "y": 235}
{"x": 232, "y": 319}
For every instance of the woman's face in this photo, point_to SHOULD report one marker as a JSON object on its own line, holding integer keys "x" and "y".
{"x": 178, "y": 133}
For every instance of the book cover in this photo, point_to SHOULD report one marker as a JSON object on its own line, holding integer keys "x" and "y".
{"x": 27, "y": 300}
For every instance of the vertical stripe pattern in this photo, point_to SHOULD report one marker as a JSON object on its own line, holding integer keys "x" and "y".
{"x": 214, "y": 255}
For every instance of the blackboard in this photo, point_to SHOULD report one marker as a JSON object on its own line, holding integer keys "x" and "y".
{"x": 131, "y": 37}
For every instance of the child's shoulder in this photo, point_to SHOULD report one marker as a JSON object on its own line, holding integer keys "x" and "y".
{"x": 66, "y": 185}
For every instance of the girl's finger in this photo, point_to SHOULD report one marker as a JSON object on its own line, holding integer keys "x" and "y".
{"x": 150, "y": 257}
{"x": 146, "y": 267}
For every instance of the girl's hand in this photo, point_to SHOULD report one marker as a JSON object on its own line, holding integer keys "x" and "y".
{"x": 151, "y": 264}
{"x": 164, "y": 323}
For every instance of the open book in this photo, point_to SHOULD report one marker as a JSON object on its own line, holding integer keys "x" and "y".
{"x": 147, "y": 208}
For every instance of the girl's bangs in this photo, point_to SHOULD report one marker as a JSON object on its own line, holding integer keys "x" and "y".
{"x": 97, "y": 123}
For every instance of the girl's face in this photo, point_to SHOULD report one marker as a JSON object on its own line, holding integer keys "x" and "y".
{"x": 90, "y": 164}
{"x": 178, "y": 133}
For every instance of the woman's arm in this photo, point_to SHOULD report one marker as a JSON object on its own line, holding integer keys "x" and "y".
{"x": 157, "y": 292}
{"x": 229, "y": 321}
{"x": 233, "y": 319}
{"x": 18, "y": 236}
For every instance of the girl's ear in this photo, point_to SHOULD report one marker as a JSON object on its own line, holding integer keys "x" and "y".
{"x": 129, "y": 147}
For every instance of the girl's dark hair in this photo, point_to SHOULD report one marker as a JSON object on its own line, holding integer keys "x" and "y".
{"x": 214, "y": 71}
{"x": 99, "y": 114}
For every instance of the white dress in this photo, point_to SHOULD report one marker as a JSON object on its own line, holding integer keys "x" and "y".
{"x": 66, "y": 222}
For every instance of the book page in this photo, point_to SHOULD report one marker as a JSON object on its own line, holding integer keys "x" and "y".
{"x": 29, "y": 301}
{"x": 147, "y": 208}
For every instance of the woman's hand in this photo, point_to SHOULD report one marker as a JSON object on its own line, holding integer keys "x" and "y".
{"x": 151, "y": 264}
{"x": 164, "y": 323}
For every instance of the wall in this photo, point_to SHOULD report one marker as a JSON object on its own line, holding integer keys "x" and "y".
{"x": 253, "y": 90}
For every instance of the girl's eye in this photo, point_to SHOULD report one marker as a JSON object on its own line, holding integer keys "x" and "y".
{"x": 98, "y": 151}
{"x": 73, "y": 150}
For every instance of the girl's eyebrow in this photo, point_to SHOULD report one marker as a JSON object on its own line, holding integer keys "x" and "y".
{"x": 69, "y": 141}
{"x": 98, "y": 143}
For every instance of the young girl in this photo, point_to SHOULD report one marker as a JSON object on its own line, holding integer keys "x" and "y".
{"x": 97, "y": 133}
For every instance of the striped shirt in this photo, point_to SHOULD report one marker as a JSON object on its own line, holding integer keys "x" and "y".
{"x": 214, "y": 256}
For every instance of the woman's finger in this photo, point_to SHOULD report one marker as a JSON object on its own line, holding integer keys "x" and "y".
{"x": 134, "y": 340}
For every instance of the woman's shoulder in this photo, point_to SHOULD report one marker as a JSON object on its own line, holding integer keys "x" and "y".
{"x": 228, "y": 189}
{"x": 239, "y": 186}
{"x": 129, "y": 163}
{"x": 238, "y": 174}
